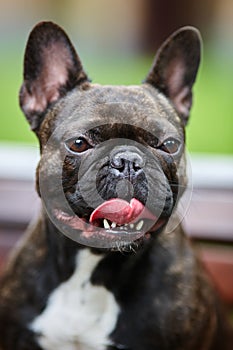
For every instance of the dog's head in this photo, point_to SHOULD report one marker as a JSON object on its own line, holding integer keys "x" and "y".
{"x": 112, "y": 165}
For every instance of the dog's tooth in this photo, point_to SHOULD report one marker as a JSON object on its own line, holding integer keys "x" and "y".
{"x": 113, "y": 225}
{"x": 139, "y": 225}
{"x": 131, "y": 226}
{"x": 106, "y": 224}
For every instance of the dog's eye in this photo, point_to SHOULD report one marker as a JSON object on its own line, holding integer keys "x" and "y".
{"x": 170, "y": 146}
{"x": 78, "y": 145}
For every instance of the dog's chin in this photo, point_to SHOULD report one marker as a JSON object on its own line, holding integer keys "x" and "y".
{"x": 125, "y": 226}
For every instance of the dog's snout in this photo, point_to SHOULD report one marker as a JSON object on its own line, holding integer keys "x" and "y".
{"x": 127, "y": 160}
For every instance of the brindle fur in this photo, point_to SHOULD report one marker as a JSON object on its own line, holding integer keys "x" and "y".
{"x": 165, "y": 297}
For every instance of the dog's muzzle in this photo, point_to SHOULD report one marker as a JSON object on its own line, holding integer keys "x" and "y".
{"x": 126, "y": 161}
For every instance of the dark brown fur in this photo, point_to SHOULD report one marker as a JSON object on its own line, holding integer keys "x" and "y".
{"x": 165, "y": 297}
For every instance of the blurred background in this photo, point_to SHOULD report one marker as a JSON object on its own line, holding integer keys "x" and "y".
{"x": 116, "y": 41}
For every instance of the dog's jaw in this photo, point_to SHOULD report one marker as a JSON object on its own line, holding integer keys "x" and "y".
{"x": 100, "y": 225}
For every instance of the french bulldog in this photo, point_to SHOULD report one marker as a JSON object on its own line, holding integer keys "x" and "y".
{"x": 99, "y": 269}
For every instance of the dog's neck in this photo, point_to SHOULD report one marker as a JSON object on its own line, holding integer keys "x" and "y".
{"x": 64, "y": 250}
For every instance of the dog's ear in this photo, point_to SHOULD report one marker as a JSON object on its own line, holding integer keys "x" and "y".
{"x": 175, "y": 68}
{"x": 51, "y": 69}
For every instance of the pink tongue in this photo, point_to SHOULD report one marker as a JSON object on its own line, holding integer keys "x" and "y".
{"x": 120, "y": 211}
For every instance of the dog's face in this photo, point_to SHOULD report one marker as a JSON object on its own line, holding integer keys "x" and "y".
{"x": 112, "y": 165}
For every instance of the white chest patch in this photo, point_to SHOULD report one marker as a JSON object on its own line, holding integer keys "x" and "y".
{"x": 78, "y": 316}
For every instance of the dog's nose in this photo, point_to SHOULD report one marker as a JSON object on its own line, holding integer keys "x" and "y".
{"x": 127, "y": 160}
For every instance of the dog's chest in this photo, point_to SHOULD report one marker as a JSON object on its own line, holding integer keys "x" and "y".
{"x": 78, "y": 316}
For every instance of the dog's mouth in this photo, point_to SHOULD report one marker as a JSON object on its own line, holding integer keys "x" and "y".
{"x": 115, "y": 219}
{"x": 118, "y": 215}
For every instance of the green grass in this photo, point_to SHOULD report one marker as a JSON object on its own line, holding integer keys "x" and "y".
{"x": 211, "y": 124}
{"x": 13, "y": 124}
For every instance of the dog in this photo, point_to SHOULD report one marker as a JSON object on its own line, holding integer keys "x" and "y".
{"x": 99, "y": 270}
